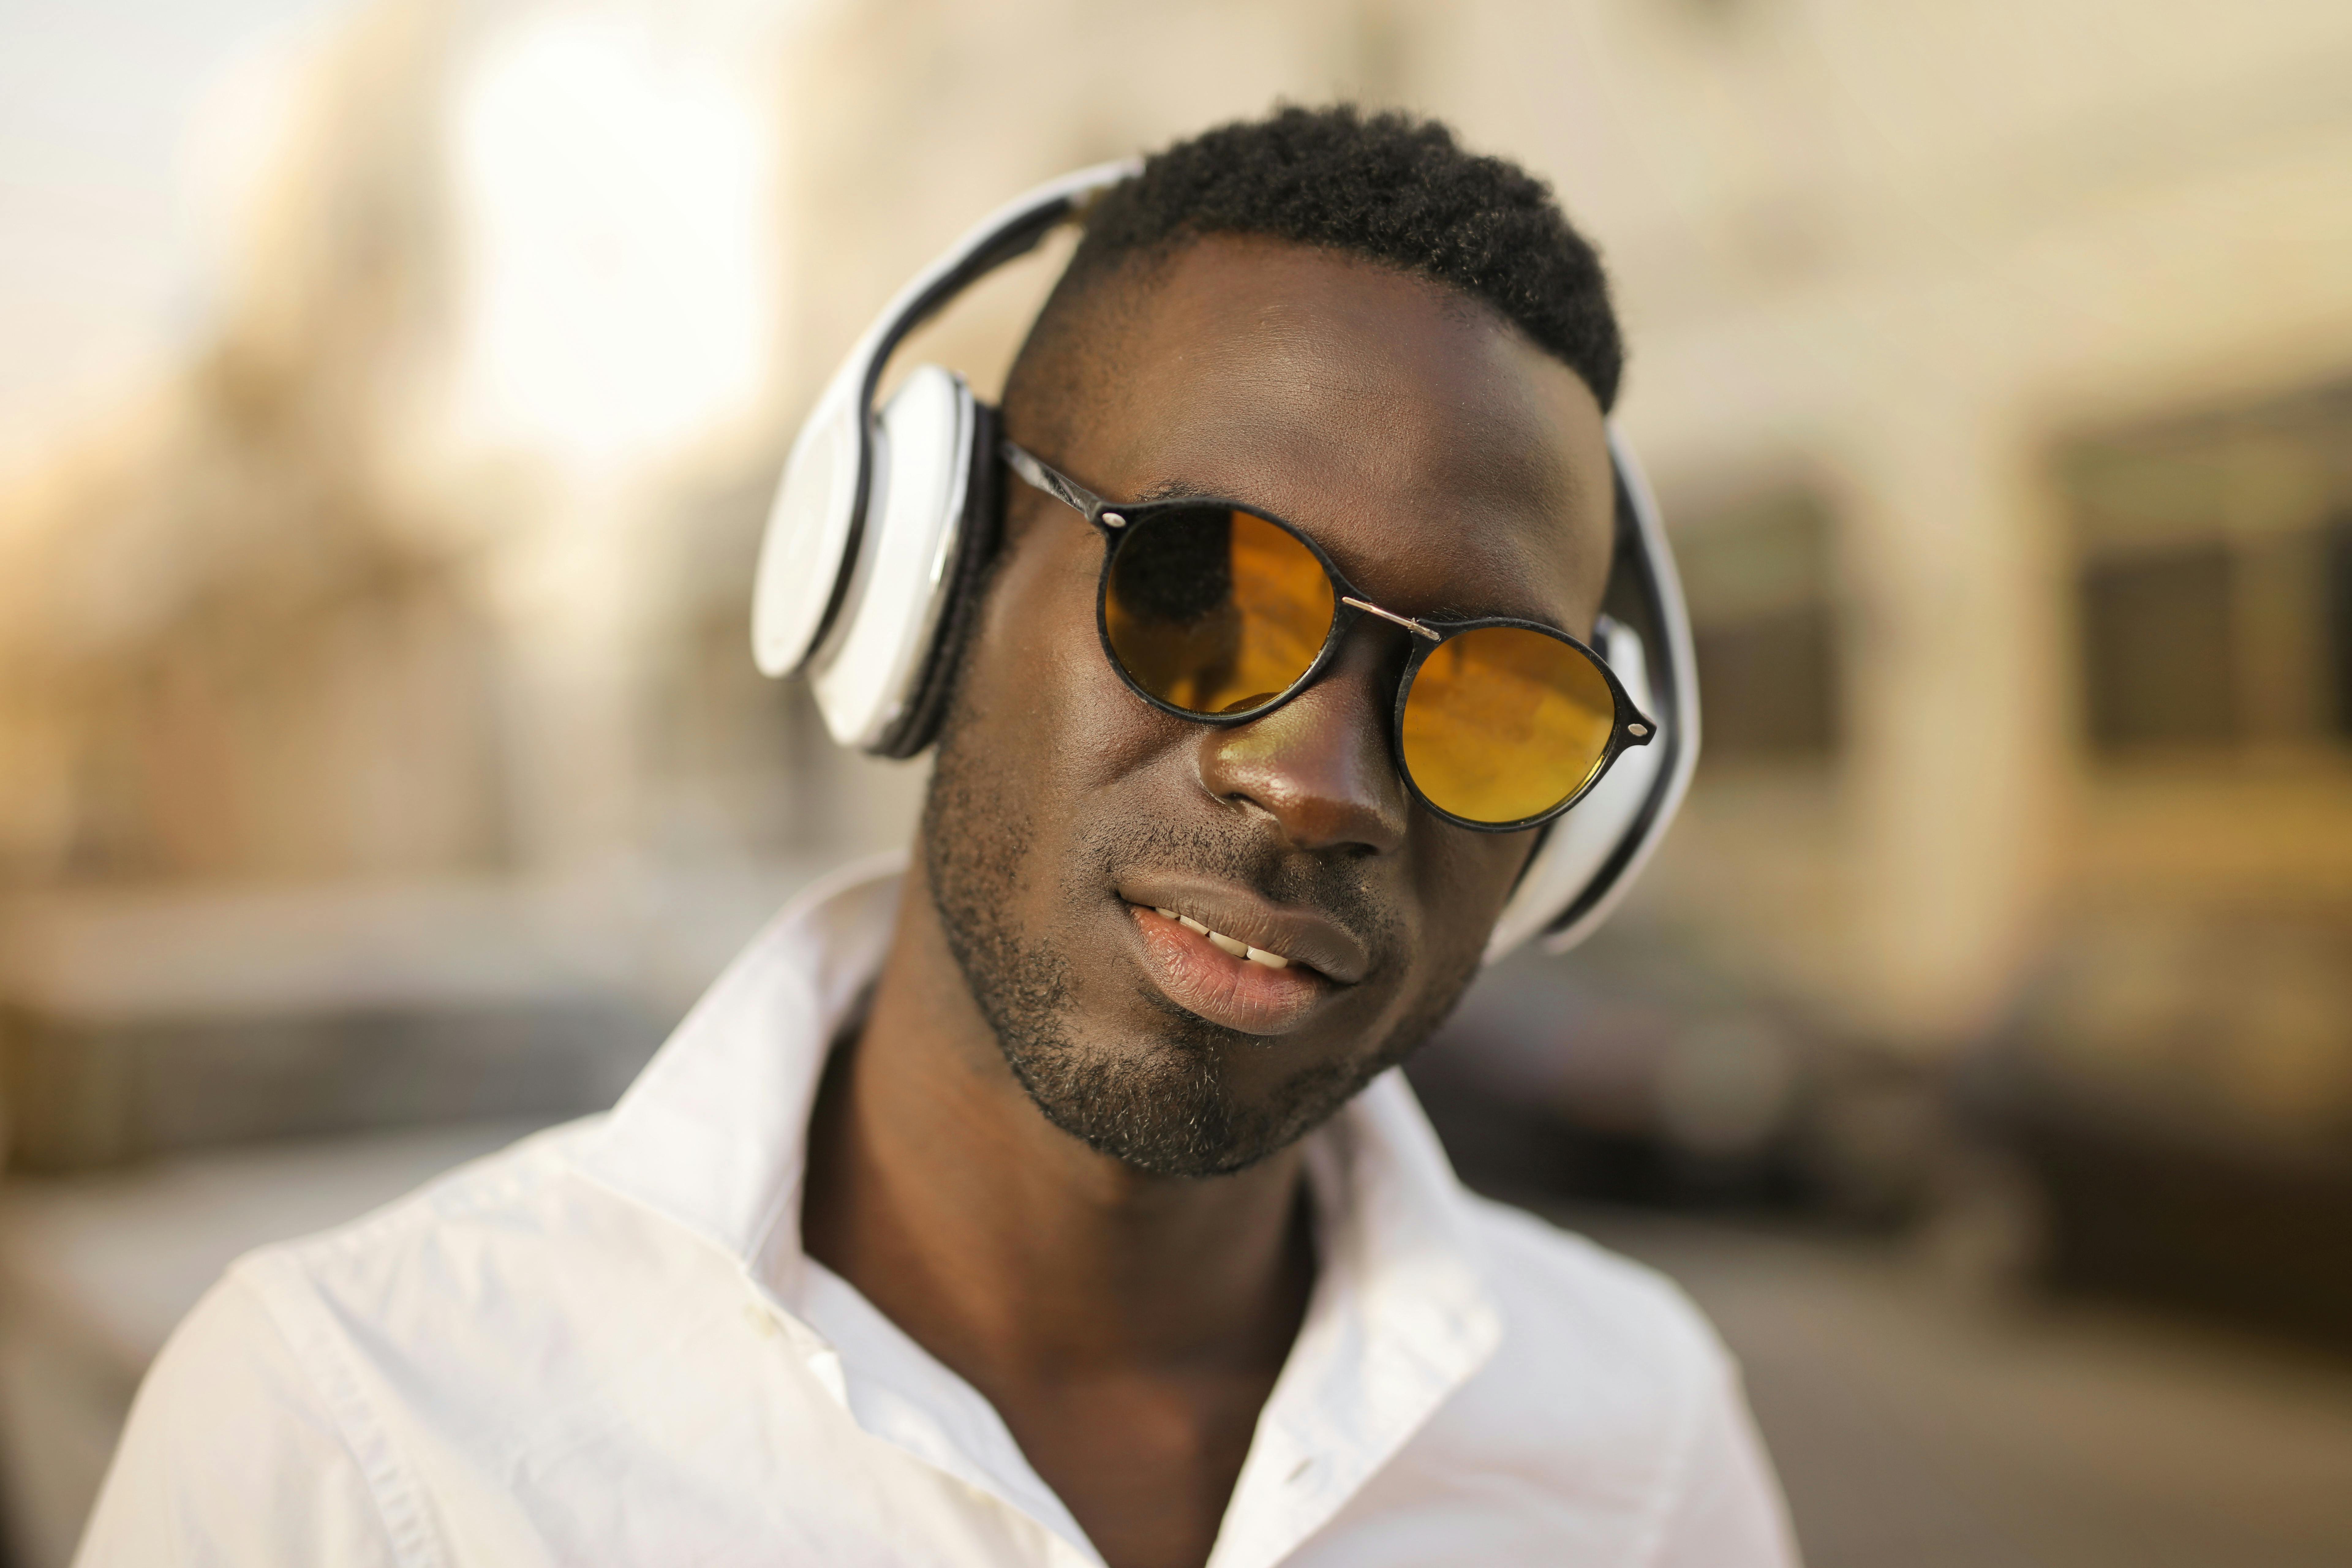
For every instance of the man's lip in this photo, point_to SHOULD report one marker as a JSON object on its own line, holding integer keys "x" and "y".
{"x": 1302, "y": 936}
{"x": 1213, "y": 984}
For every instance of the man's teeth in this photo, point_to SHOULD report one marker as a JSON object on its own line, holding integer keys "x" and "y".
{"x": 1238, "y": 949}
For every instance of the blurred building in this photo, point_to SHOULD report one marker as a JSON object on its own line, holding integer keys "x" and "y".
{"x": 379, "y": 745}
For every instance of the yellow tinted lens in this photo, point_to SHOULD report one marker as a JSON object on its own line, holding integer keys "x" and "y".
{"x": 1215, "y": 611}
{"x": 1505, "y": 723}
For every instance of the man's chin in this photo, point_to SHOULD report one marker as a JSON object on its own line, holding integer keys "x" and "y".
{"x": 1170, "y": 1111}
{"x": 1163, "y": 1099}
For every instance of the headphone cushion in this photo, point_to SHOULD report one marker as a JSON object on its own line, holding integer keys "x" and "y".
{"x": 1579, "y": 847}
{"x": 872, "y": 668}
{"x": 983, "y": 525}
{"x": 798, "y": 588}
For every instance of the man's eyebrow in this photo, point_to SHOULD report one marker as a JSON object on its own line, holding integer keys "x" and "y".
{"x": 1181, "y": 489}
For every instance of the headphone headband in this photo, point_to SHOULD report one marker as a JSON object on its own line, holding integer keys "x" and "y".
{"x": 821, "y": 508}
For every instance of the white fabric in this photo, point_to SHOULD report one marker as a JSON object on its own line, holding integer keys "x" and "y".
{"x": 605, "y": 1345}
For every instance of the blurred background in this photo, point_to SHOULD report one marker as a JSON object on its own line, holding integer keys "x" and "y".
{"x": 390, "y": 396}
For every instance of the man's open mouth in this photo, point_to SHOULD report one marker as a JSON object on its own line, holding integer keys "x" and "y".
{"x": 1227, "y": 956}
{"x": 1231, "y": 944}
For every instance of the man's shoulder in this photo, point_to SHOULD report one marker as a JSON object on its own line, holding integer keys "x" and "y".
{"x": 1610, "y": 1410}
{"x": 1555, "y": 1279}
{"x": 461, "y": 1289}
{"x": 269, "y": 1427}
{"x": 1596, "y": 1348}
{"x": 518, "y": 1195}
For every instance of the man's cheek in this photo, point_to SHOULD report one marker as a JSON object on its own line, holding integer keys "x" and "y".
{"x": 1100, "y": 733}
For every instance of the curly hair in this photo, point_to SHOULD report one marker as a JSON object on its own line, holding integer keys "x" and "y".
{"x": 1387, "y": 187}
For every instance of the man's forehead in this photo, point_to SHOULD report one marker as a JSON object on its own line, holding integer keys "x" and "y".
{"x": 1389, "y": 415}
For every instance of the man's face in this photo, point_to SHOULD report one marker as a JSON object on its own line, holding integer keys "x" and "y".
{"x": 1450, "y": 469}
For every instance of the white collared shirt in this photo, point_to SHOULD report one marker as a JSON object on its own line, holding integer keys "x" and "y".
{"x": 605, "y": 1345}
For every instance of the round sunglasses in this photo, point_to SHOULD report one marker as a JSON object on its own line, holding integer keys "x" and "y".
{"x": 1218, "y": 613}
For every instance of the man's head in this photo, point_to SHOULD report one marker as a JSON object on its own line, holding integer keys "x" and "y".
{"x": 1404, "y": 351}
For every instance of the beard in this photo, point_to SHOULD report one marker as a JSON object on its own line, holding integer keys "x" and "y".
{"x": 1166, "y": 1103}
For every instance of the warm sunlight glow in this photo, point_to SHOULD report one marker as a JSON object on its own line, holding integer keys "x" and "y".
{"x": 620, "y": 288}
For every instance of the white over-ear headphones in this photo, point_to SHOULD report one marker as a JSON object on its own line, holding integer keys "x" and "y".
{"x": 883, "y": 526}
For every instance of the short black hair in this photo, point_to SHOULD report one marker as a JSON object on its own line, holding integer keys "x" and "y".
{"x": 1390, "y": 187}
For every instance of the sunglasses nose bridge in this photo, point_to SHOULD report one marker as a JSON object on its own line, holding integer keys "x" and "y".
{"x": 1384, "y": 644}
{"x": 1372, "y": 648}
{"x": 1407, "y": 622}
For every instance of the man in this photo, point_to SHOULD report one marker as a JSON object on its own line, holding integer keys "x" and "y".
{"x": 1055, "y": 1202}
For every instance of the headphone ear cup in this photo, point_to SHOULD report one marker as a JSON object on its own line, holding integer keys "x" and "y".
{"x": 875, "y": 665}
{"x": 798, "y": 590}
{"x": 1588, "y": 856}
{"x": 1581, "y": 848}
{"x": 984, "y": 528}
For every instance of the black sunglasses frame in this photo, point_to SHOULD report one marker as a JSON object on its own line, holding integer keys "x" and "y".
{"x": 1117, "y": 523}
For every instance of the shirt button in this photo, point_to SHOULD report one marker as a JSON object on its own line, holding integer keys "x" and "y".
{"x": 764, "y": 1322}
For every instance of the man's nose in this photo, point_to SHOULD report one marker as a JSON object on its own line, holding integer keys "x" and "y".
{"x": 1319, "y": 765}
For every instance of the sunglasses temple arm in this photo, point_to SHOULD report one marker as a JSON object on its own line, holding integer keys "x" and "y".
{"x": 1060, "y": 486}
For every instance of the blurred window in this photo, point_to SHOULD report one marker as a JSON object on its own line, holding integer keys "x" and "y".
{"x": 2213, "y": 578}
{"x": 1760, "y": 575}
{"x": 2339, "y": 622}
{"x": 2158, "y": 649}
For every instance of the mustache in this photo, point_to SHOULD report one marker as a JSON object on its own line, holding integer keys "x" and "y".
{"x": 1332, "y": 885}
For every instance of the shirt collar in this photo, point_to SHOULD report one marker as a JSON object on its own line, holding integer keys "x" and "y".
{"x": 713, "y": 1135}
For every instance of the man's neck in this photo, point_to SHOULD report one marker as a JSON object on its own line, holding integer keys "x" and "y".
{"x": 1129, "y": 1327}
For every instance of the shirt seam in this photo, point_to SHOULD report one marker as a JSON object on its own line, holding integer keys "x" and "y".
{"x": 407, "y": 1528}
{"x": 1684, "y": 1445}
